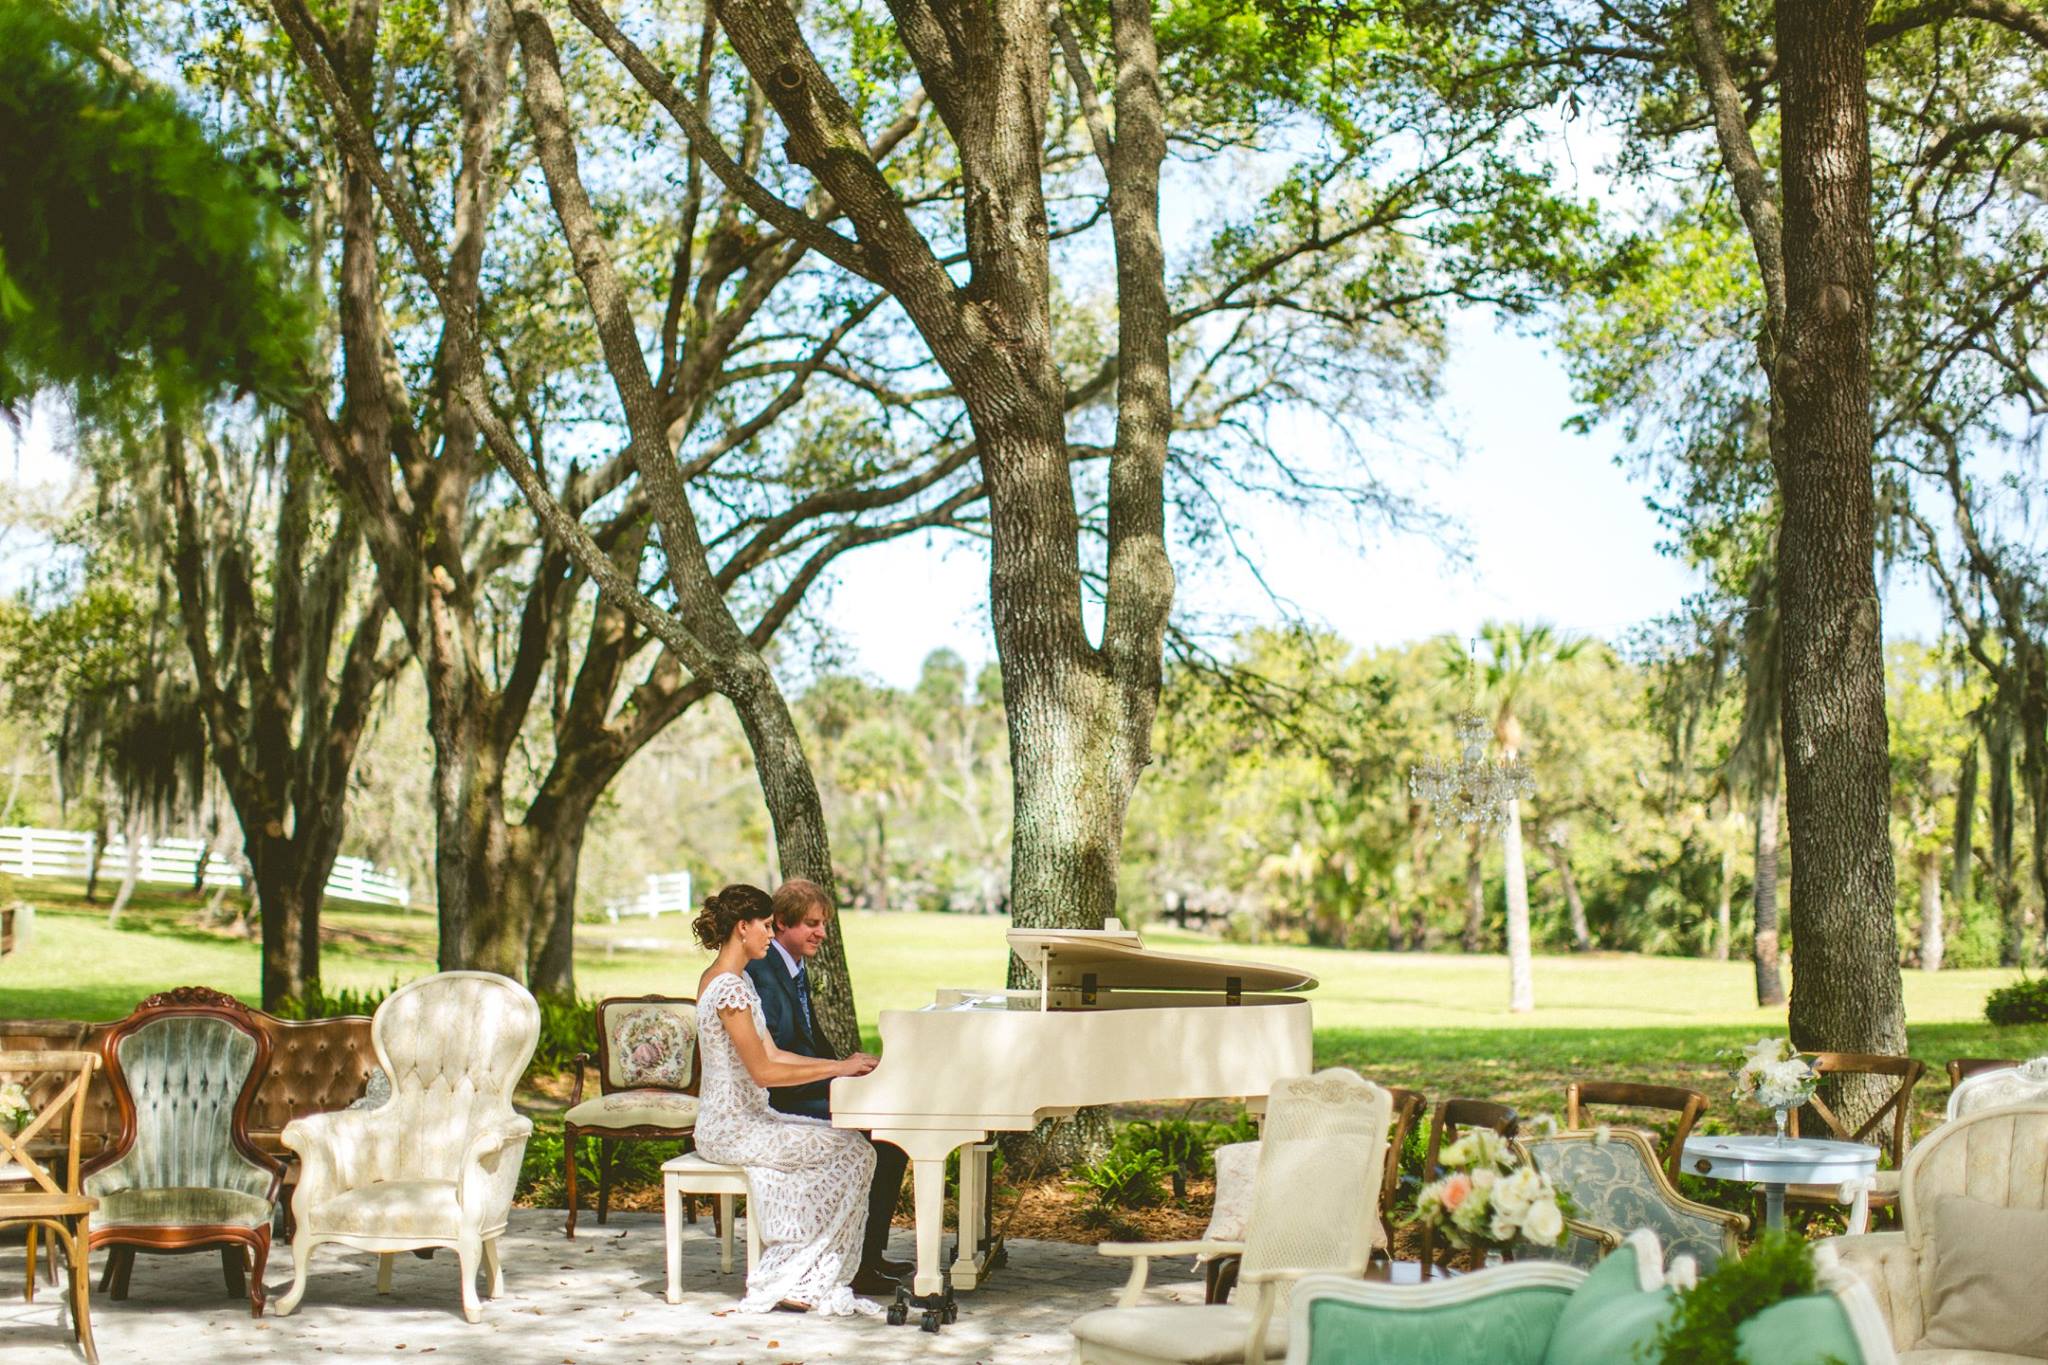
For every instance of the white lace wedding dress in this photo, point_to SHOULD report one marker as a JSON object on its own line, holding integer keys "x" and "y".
{"x": 809, "y": 1180}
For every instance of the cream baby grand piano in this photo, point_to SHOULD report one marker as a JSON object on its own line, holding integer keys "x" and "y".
{"x": 1111, "y": 1023}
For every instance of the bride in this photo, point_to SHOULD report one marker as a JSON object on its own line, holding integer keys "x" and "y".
{"x": 809, "y": 1180}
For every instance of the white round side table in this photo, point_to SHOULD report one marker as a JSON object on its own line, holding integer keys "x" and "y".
{"x": 1763, "y": 1160}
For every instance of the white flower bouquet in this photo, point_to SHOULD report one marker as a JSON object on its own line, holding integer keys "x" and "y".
{"x": 1487, "y": 1198}
{"x": 1775, "y": 1075}
{"x": 15, "y": 1110}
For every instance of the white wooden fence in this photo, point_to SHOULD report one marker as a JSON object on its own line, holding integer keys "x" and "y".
{"x": 664, "y": 891}
{"x": 26, "y": 852}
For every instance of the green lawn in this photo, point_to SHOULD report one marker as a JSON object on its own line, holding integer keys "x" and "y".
{"x": 1434, "y": 1022}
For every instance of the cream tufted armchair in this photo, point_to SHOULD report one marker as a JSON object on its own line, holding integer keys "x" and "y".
{"x": 435, "y": 1165}
{"x": 1998, "y": 1157}
{"x": 2026, "y": 1083}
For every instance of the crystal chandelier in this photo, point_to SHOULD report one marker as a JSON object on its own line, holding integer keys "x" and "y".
{"x": 1472, "y": 793}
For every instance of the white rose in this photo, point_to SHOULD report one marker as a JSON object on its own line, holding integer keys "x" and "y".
{"x": 1543, "y": 1224}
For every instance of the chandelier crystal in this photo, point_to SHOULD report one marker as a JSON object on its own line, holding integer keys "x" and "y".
{"x": 1472, "y": 793}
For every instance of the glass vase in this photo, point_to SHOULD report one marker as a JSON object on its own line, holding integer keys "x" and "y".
{"x": 1783, "y": 1116}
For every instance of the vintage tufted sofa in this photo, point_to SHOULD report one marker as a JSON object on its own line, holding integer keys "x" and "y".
{"x": 316, "y": 1066}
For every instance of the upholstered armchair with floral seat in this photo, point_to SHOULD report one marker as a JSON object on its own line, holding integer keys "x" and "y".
{"x": 184, "y": 1174}
{"x": 1617, "y": 1183}
{"x": 1960, "y": 1282}
{"x": 647, "y": 1075}
{"x": 436, "y": 1164}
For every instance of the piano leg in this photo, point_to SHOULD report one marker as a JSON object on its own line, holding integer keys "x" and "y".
{"x": 928, "y": 1150}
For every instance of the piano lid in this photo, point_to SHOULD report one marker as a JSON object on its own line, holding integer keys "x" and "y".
{"x": 1119, "y": 960}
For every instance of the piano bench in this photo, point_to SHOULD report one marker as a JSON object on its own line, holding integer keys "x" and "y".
{"x": 692, "y": 1174}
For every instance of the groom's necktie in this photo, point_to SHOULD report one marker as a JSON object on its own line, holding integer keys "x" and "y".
{"x": 803, "y": 998}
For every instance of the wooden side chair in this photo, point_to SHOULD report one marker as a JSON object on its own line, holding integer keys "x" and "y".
{"x": 184, "y": 1175}
{"x": 648, "y": 1071}
{"x": 1408, "y": 1108}
{"x": 1889, "y": 1127}
{"x": 1454, "y": 1116}
{"x": 36, "y": 1191}
{"x": 1682, "y": 1100}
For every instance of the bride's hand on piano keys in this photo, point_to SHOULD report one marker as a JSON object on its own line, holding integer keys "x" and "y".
{"x": 859, "y": 1064}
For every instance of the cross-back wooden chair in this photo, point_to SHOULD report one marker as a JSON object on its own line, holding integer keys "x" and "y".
{"x": 1453, "y": 1116}
{"x": 1681, "y": 1100}
{"x": 42, "y": 1195}
{"x": 1889, "y": 1127}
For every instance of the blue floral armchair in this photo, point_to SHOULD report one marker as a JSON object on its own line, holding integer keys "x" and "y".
{"x": 1616, "y": 1183}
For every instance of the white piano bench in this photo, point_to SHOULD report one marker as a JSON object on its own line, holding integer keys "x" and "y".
{"x": 692, "y": 1174}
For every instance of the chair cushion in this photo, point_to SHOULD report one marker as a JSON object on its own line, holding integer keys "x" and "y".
{"x": 1885, "y": 1190}
{"x": 1236, "y": 1163}
{"x": 1986, "y": 1278}
{"x": 1183, "y": 1333}
{"x": 1610, "y": 1316}
{"x": 182, "y": 1206}
{"x": 392, "y": 1208}
{"x": 636, "y": 1109}
{"x": 1812, "y": 1329}
{"x": 1508, "y": 1327}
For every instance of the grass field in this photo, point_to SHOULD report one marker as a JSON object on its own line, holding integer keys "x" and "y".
{"x": 1434, "y": 1022}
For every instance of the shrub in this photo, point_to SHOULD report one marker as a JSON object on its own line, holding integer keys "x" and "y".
{"x": 1121, "y": 1180}
{"x": 1778, "y": 1266}
{"x": 2023, "y": 1002}
{"x": 1182, "y": 1147}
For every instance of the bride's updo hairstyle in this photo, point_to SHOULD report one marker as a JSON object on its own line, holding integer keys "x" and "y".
{"x": 725, "y": 910}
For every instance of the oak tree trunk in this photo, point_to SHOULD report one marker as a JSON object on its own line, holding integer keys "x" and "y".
{"x": 1962, "y": 851}
{"x": 1770, "y": 982}
{"x": 1846, "y": 993}
{"x": 1575, "y": 904}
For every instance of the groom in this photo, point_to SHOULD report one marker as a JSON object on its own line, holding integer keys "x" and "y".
{"x": 801, "y": 911}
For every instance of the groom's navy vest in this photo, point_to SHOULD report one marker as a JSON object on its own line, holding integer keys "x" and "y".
{"x": 782, "y": 1003}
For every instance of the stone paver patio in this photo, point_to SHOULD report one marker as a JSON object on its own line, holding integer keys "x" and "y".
{"x": 598, "y": 1299}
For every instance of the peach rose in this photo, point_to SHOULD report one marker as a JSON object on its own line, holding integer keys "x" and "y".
{"x": 1456, "y": 1189}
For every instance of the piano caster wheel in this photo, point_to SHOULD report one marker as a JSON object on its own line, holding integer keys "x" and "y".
{"x": 930, "y": 1321}
{"x": 950, "y": 1313}
{"x": 899, "y": 1311}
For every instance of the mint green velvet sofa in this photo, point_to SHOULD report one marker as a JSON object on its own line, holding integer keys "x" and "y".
{"x": 1549, "y": 1313}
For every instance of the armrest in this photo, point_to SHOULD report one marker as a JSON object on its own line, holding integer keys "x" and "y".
{"x": 1885, "y": 1263}
{"x": 331, "y": 1148}
{"x": 1141, "y": 1254}
{"x": 576, "y": 1064}
{"x": 490, "y": 1170}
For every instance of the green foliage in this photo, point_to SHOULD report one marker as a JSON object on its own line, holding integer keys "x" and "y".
{"x": 125, "y": 233}
{"x": 568, "y": 1025}
{"x": 1121, "y": 1180}
{"x": 2023, "y": 1002}
{"x": 1778, "y": 1266}
{"x": 1181, "y": 1145}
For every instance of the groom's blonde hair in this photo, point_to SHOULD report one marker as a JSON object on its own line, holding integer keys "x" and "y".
{"x": 796, "y": 898}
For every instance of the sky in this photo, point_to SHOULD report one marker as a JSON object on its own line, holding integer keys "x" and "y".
{"x": 1554, "y": 531}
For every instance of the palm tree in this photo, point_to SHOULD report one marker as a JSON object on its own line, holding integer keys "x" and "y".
{"x": 1513, "y": 661}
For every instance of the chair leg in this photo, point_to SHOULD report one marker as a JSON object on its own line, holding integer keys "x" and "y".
{"x": 672, "y": 1239}
{"x": 28, "y": 1287}
{"x": 259, "y": 1256}
{"x": 494, "y": 1271}
{"x": 81, "y": 1286}
{"x": 604, "y": 1178}
{"x": 467, "y": 1254}
{"x": 384, "y": 1260}
{"x": 725, "y": 1234}
{"x": 231, "y": 1271}
{"x": 123, "y": 1259}
{"x": 570, "y": 1140}
{"x": 302, "y": 1253}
